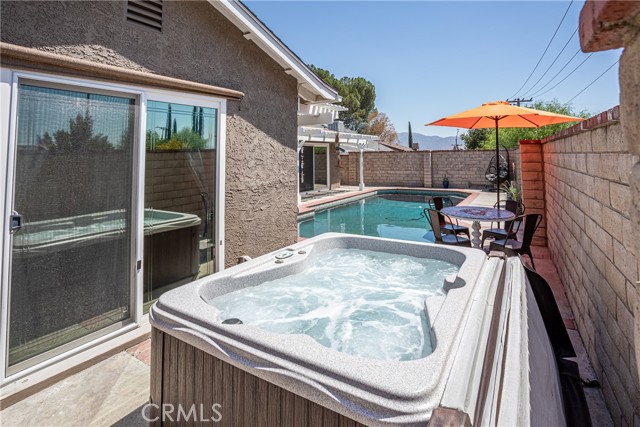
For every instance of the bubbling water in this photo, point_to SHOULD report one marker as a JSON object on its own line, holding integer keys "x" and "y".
{"x": 364, "y": 303}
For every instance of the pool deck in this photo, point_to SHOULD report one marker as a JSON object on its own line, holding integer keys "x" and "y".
{"x": 114, "y": 391}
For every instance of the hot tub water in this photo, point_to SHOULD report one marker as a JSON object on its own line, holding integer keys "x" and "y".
{"x": 364, "y": 303}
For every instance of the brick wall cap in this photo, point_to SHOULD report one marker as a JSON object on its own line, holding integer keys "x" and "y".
{"x": 606, "y": 118}
{"x": 530, "y": 141}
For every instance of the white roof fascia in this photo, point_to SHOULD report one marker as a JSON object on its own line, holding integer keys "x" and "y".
{"x": 312, "y": 88}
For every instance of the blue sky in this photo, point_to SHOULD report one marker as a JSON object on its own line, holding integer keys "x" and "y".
{"x": 430, "y": 59}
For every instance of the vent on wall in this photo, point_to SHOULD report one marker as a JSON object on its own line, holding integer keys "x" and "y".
{"x": 147, "y": 13}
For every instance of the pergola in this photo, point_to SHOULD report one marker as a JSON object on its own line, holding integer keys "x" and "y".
{"x": 346, "y": 141}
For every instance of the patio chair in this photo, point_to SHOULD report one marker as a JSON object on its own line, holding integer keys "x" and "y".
{"x": 498, "y": 233}
{"x": 510, "y": 246}
{"x": 447, "y": 227}
{"x": 433, "y": 217}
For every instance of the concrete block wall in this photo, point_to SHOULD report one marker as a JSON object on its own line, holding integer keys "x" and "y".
{"x": 174, "y": 180}
{"x": 465, "y": 169}
{"x": 71, "y": 183}
{"x": 395, "y": 168}
{"x": 320, "y": 165}
{"x": 586, "y": 193}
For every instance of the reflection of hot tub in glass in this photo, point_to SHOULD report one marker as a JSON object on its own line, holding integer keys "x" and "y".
{"x": 171, "y": 241}
{"x": 311, "y": 358}
{"x": 172, "y": 250}
{"x": 62, "y": 233}
{"x": 65, "y": 272}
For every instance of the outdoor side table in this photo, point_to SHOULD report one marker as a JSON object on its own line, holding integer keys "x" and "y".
{"x": 478, "y": 214}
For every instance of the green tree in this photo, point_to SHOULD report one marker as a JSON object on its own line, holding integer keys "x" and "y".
{"x": 410, "y": 137}
{"x": 79, "y": 137}
{"x": 358, "y": 95}
{"x": 379, "y": 124}
{"x": 510, "y": 137}
{"x": 475, "y": 138}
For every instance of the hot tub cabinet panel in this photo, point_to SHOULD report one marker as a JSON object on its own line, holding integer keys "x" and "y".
{"x": 296, "y": 381}
{"x": 205, "y": 380}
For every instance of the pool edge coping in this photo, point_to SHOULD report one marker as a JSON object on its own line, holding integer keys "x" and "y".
{"x": 308, "y": 210}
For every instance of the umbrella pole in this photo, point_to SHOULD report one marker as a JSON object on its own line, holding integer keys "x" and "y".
{"x": 497, "y": 166}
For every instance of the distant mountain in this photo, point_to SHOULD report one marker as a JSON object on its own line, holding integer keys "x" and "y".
{"x": 429, "y": 142}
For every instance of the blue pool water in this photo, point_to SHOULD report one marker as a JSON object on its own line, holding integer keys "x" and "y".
{"x": 395, "y": 216}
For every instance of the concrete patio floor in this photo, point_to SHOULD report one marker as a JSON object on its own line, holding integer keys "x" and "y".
{"x": 114, "y": 391}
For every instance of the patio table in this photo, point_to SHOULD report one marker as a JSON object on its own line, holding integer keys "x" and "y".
{"x": 478, "y": 214}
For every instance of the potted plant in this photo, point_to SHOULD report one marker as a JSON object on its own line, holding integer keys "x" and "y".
{"x": 513, "y": 192}
{"x": 445, "y": 182}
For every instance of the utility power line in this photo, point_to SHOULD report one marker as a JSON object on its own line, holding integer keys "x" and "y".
{"x": 545, "y": 51}
{"x": 552, "y": 64}
{"x": 595, "y": 80}
{"x": 567, "y": 76}
{"x": 557, "y": 74}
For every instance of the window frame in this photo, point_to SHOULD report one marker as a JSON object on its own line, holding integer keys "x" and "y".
{"x": 10, "y": 79}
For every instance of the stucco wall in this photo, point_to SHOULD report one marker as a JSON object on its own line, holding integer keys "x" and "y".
{"x": 465, "y": 169}
{"x": 198, "y": 44}
{"x": 590, "y": 237}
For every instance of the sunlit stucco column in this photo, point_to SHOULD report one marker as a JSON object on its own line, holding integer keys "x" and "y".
{"x": 361, "y": 145}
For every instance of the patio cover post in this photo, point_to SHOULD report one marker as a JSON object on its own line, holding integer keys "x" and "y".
{"x": 361, "y": 144}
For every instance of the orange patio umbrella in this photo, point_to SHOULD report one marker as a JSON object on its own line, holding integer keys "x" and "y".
{"x": 501, "y": 114}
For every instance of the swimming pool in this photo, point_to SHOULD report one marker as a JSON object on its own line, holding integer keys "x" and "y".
{"x": 394, "y": 215}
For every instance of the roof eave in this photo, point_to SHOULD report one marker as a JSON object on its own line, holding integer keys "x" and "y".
{"x": 311, "y": 88}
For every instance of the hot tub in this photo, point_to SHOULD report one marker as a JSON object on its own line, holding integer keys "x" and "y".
{"x": 261, "y": 377}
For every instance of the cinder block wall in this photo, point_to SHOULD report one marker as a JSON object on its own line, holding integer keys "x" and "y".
{"x": 587, "y": 202}
{"x": 465, "y": 169}
{"x": 174, "y": 181}
{"x": 320, "y": 165}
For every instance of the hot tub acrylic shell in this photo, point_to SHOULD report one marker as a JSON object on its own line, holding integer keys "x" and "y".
{"x": 373, "y": 392}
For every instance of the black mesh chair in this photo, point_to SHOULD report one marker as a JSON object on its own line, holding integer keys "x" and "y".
{"x": 499, "y": 233}
{"x": 433, "y": 217}
{"x": 510, "y": 246}
{"x": 438, "y": 202}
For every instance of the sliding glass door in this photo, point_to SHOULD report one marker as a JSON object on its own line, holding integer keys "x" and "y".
{"x": 180, "y": 185}
{"x": 72, "y": 224}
